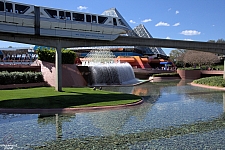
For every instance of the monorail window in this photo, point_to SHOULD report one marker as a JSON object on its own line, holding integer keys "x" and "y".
{"x": 2, "y": 6}
{"x": 114, "y": 22}
{"x": 121, "y": 22}
{"x": 78, "y": 17}
{"x": 102, "y": 20}
{"x": 9, "y": 7}
{"x": 51, "y": 13}
{"x": 94, "y": 19}
{"x": 21, "y": 9}
{"x": 61, "y": 15}
{"x": 68, "y": 16}
{"x": 88, "y": 18}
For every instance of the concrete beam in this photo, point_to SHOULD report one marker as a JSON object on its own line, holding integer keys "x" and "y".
{"x": 218, "y": 48}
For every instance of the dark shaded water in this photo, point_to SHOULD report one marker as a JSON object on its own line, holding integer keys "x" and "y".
{"x": 174, "y": 115}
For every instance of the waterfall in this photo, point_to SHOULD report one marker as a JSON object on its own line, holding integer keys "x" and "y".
{"x": 106, "y": 70}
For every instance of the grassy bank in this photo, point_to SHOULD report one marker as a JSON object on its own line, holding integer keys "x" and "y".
{"x": 211, "y": 81}
{"x": 47, "y": 97}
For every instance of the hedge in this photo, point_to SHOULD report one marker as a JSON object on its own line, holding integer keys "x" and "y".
{"x": 189, "y": 68}
{"x": 68, "y": 56}
{"x": 20, "y": 77}
{"x": 211, "y": 81}
{"x": 166, "y": 75}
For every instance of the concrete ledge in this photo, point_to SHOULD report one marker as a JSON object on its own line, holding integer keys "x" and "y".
{"x": 212, "y": 72}
{"x": 20, "y": 68}
{"x": 15, "y": 86}
{"x": 65, "y": 110}
{"x": 206, "y": 86}
{"x": 159, "y": 79}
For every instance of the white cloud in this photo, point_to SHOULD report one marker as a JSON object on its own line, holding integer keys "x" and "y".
{"x": 176, "y": 24}
{"x": 167, "y": 37}
{"x": 162, "y": 24}
{"x": 177, "y": 12}
{"x": 132, "y": 21}
{"x": 146, "y": 20}
{"x": 82, "y": 7}
{"x": 190, "y": 32}
{"x": 188, "y": 39}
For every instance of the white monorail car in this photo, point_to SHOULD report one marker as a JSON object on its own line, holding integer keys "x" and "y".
{"x": 36, "y": 20}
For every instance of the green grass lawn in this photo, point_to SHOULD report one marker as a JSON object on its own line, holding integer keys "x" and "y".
{"x": 47, "y": 97}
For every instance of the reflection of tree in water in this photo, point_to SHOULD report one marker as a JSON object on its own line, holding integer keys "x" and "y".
{"x": 55, "y": 119}
{"x": 5, "y": 117}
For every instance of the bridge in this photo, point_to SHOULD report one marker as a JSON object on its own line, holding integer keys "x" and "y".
{"x": 63, "y": 42}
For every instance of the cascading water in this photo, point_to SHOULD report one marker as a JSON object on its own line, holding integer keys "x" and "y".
{"x": 107, "y": 70}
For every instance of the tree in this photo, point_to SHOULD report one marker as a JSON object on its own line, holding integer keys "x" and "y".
{"x": 177, "y": 56}
{"x": 199, "y": 58}
{"x": 220, "y": 41}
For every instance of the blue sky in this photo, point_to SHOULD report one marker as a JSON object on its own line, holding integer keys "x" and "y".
{"x": 195, "y": 20}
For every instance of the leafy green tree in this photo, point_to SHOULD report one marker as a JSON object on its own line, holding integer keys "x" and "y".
{"x": 177, "y": 56}
{"x": 48, "y": 54}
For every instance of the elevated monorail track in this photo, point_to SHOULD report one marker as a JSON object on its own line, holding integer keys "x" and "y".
{"x": 218, "y": 48}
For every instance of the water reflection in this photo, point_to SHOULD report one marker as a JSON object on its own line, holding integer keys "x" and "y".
{"x": 170, "y": 110}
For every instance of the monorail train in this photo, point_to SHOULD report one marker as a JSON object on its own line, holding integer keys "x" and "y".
{"x": 36, "y": 20}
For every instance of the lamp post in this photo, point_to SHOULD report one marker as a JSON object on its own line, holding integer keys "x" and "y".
{"x": 30, "y": 52}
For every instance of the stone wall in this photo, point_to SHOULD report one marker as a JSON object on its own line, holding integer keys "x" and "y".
{"x": 71, "y": 76}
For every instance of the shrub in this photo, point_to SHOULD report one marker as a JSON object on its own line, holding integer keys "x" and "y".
{"x": 20, "y": 77}
{"x": 189, "y": 68}
{"x": 166, "y": 75}
{"x": 68, "y": 57}
{"x": 48, "y": 55}
{"x": 211, "y": 81}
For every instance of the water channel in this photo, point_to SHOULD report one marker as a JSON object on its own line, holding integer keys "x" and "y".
{"x": 174, "y": 115}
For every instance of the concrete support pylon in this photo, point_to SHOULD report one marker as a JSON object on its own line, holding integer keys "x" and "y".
{"x": 58, "y": 67}
{"x": 224, "y": 69}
